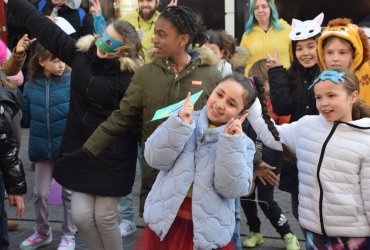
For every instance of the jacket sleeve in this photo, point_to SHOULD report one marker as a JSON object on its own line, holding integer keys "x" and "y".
{"x": 10, "y": 102}
{"x": 288, "y": 132}
{"x": 120, "y": 121}
{"x": 234, "y": 165}
{"x": 280, "y": 93}
{"x": 48, "y": 34}
{"x": 167, "y": 142}
{"x": 365, "y": 185}
{"x": 12, "y": 168}
{"x": 260, "y": 127}
{"x": 14, "y": 64}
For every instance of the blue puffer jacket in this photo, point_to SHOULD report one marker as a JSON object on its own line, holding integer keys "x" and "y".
{"x": 45, "y": 110}
{"x": 217, "y": 164}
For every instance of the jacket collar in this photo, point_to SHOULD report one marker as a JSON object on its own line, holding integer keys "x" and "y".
{"x": 203, "y": 56}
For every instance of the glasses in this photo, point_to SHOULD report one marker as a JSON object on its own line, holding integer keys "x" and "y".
{"x": 332, "y": 75}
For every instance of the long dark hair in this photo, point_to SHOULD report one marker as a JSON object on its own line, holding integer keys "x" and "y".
{"x": 297, "y": 74}
{"x": 40, "y": 54}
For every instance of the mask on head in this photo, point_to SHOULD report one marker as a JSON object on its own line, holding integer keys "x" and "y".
{"x": 332, "y": 75}
{"x": 306, "y": 29}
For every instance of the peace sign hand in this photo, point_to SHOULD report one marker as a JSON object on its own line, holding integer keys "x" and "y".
{"x": 272, "y": 61}
{"x": 186, "y": 112}
{"x": 234, "y": 126}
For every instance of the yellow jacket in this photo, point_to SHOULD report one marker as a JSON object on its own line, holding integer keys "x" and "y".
{"x": 258, "y": 42}
{"x": 147, "y": 27}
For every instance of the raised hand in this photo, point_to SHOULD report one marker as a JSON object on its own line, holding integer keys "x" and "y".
{"x": 186, "y": 112}
{"x": 272, "y": 61}
{"x": 95, "y": 8}
{"x": 24, "y": 44}
{"x": 234, "y": 126}
{"x": 266, "y": 174}
{"x": 172, "y": 3}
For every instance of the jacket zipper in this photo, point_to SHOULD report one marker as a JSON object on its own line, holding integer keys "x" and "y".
{"x": 318, "y": 175}
{"x": 47, "y": 95}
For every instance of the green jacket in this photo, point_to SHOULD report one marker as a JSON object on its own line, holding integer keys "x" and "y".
{"x": 154, "y": 86}
{"x": 146, "y": 26}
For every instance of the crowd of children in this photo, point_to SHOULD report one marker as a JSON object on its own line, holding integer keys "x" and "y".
{"x": 290, "y": 104}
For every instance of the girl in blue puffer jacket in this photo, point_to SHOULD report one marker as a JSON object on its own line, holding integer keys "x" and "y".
{"x": 45, "y": 110}
{"x": 205, "y": 162}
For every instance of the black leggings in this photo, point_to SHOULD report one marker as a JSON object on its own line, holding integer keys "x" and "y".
{"x": 269, "y": 207}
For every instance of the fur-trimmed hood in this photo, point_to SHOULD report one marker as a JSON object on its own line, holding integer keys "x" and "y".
{"x": 205, "y": 55}
{"x": 85, "y": 43}
{"x": 240, "y": 58}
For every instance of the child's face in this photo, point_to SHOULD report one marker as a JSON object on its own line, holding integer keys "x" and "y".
{"x": 215, "y": 49}
{"x": 338, "y": 53}
{"x": 333, "y": 101}
{"x": 53, "y": 67}
{"x": 306, "y": 53}
{"x": 225, "y": 102}
{"x": 167, "y": 40}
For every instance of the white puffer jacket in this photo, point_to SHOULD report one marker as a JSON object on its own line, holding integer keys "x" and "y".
{"x": 334, "y": 171}
{"x": 218, "y": 165}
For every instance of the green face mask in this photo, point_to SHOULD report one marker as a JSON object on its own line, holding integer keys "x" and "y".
{"x": 107, "y": 43}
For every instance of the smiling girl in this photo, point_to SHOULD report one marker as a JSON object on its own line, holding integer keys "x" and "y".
{"x": 332, "y": 151}
{"x": 289, "y": 89}
{"x": 192, "y": 202}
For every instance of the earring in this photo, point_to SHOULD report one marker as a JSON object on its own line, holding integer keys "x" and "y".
{"x": 181, "y": 45}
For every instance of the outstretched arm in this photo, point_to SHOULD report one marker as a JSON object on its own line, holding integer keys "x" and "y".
{"x": 47, "y": 33}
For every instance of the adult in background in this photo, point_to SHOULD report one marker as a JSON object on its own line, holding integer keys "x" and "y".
{"x": 101, "y": 72}
{"x": 265, "y": 33}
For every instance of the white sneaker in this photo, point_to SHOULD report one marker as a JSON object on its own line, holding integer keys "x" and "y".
{"x": 127, "y": 227}
{"x": 36, "y": 240}
{"x": 67, "y": 243}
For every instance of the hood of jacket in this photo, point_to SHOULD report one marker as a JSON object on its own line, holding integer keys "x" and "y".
{"x": 240, "y": 57}
{"x": 204, "y": 55}
{"x": 85, "y": 43}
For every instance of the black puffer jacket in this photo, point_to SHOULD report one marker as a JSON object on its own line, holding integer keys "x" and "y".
{"x": 284, "y": 103}
{"x": 97, "y": 86}
{"x": 10, "y": 165}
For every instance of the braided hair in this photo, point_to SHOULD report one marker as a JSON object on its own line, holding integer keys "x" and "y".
{"x": 258, "y": 83}
{"x": 185, "y": 22}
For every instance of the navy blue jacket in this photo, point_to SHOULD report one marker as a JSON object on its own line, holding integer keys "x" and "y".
{"x": 45, "y": 111}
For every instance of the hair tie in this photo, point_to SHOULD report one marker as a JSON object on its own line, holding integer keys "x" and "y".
{"x": 251, "y": 81}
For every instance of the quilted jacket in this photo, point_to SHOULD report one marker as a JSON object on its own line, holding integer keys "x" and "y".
{"x": 45, "y": 110}
{"x": 218, "y": 165}
{"x": 333, "y": 160}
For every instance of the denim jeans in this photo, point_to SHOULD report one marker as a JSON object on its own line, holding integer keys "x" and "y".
{"x": 4, "y": 241}
{"x": 236, "y": 235}
{"x": 126, "y": 207}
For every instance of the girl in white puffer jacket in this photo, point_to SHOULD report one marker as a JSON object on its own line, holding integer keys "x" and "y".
{"x": 333, "y": 159}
